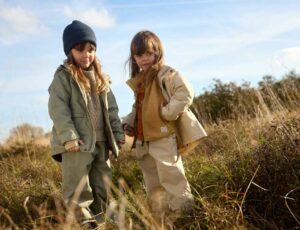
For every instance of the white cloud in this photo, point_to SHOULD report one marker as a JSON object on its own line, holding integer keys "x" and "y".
{"x": 17, "y": 24}
{"x": 292, "y": 54}
{"x": 98, "y": 18}
{"x": 265, "y": 25}
{"x": 289, "y": 58}
{"x": 241, "y": 30}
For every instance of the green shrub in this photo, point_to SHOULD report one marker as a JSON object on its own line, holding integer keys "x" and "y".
{"x": 230, "y": 101}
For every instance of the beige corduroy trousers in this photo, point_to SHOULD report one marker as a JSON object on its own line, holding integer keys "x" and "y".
{"x": 163, "y": 170}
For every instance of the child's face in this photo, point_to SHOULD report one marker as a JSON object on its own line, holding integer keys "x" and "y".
{"x": 145, "y": 60}
{"x": 84, "y": 55}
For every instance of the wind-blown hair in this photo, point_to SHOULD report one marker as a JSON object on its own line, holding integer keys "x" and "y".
{"x": 144, "y": 42}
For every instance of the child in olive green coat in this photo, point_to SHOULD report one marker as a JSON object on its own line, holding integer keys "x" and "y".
{"x": 86, "y": 125}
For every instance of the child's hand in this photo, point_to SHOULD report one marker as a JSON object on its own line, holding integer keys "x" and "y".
{"x": 120, "y": 143}
{"x": 129, "y": 131}
{"x": 73, "y": 146}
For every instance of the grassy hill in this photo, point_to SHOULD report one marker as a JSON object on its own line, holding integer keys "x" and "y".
{"x": 244, "y": 175}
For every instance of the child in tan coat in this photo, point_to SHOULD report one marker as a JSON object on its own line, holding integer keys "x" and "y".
{"x": 161, "y": 122}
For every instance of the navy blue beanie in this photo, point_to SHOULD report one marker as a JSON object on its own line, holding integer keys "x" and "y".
{"x": 77, "y": 32}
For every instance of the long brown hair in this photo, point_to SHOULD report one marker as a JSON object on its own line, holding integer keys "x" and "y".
{"x": 144, "y": 42}
{"x": 79, "y": 75}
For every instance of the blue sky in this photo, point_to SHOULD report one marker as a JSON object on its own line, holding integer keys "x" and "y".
{"x": 232, "y": 40}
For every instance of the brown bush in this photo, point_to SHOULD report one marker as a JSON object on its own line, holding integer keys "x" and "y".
{"x": 273, "y": 198}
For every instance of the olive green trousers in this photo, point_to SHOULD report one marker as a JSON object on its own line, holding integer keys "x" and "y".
{"x": 87, "y": 169}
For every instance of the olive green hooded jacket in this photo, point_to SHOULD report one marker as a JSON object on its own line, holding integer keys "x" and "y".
{"x": 71, "y": 119}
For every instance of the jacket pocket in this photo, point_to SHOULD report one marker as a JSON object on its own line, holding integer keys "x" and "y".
{"x": 80, "y": 123}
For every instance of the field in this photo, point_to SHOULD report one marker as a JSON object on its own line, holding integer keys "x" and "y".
{"x": 244, "y": 175}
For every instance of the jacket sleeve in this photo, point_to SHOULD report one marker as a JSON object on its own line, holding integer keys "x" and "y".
{"x": 181, "y": 96}
{"x": 59, "y": 110}
{"x": 114, "y": 119}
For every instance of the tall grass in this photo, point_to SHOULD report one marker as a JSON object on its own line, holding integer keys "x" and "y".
{"x": 244, "y": 175}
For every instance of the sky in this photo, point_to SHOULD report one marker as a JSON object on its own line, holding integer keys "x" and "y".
{"x": 230, "y": 40}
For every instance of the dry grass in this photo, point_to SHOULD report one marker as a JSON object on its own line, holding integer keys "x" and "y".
{"x": 244, "y": 175}
{"x": 237, "y": 175}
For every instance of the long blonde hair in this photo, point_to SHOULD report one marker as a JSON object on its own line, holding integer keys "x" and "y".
{"x": 79, "y": 75}
{"x": 144, "y": 42}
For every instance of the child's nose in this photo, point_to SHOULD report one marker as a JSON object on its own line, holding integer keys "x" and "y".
{"x": 85, "y": 53}
{"x": 144, "y": 56}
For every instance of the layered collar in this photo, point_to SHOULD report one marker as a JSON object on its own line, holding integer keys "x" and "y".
{"x": 143, "y": 77}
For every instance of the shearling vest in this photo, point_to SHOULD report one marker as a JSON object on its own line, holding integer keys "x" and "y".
{"x": 148, "y": 111}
